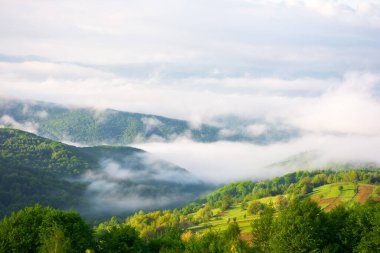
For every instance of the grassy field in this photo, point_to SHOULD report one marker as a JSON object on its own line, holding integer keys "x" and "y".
{"x": 327, "y": 196}
{"x": 220, "y": 219}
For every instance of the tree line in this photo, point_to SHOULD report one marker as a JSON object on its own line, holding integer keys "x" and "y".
{"x": 301, "y": 226}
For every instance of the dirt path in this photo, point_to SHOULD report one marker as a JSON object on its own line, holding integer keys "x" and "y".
{"x": 246, "y": 237}
{"x": 364, "y": 193}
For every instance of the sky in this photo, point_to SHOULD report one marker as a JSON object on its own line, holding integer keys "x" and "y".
{"x": 309, "y": 64}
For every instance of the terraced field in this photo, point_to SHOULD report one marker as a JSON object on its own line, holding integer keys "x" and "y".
{"x": 220, "y": 220}
{"x": 331, "y": 195}
{"x": 327, "y": 196}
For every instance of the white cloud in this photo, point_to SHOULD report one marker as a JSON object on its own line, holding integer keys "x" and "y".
{"x": 347, "y": 105}
{"x": 313, "y": 65}
{"x": 256, "y": 129}
{"x": 118, "y": 186}
{"x": 196, "y": 36}
{"x": 348, "y": 109}
{"x": 227, "y": 161}
{"x": 150, "y": 123}
{"x": 8, "y": 121}
{"x": 42, "y": 114}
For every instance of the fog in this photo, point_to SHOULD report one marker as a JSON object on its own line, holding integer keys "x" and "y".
{"x": 223, "y": 162}
{"x": 139, "y": 181}
{"x": 9, "y": 121}
{"x": 310, "y": 68}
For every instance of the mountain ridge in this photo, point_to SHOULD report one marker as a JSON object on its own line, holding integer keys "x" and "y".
{"x": 89, "y": 126}
{"x": 85, "y": 176}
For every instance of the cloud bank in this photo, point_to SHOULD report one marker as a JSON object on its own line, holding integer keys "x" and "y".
{"x": 309, "y": 65}
{"x": 223, "y": 162}
{"x": 139, "y": 182}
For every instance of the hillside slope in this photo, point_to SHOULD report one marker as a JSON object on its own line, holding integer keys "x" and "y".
{"x": 244, "y": 201}
{"x": 88, "y": 126}
{"x": 327, "y": 196}
{"x": 98, "y": 181}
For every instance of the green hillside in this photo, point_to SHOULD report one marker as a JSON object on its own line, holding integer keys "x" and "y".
{"x": 88, "y": 126}
{"x": 244, "y": 201}
{"x": 327, "y": 196}
{"x": 93, "y": 127}
{"x": 300, "y": 226}
{"x": 289, "y": 215}
{"x": 283, "y": 214}
{"x": 38, "y": 170}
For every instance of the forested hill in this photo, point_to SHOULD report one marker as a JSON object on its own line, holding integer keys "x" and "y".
{"x": 284, "y": 214}
{"x": 93, "y": 127}
{"x": 299, "y": 184}
{"x": 243, "y": 201}
{"x": 19, "y": 148}
{"x": 88, "y": 126}
{"x": 98, "y": 181}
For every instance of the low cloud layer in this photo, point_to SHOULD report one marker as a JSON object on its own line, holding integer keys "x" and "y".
{"x": 139, "y": 182}
{"x": 309, "y": 66}
{"x": 8, "y": 121}
{"x": 346, "y": 105}
{"x": 223, "y": 162}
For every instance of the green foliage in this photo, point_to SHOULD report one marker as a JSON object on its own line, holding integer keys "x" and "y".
{"x": 202, "y": 216}
{"x": 37, "y": 228}
{"x": 298, "y": 228}
{"x": 304, "y": 227}
{"x": 209, "y": 242}
{"x": 55, "y": 241}
{"x": 262, "y": 230}
{"x": 38, "y": 170}
{"x": 255, "y": 207}
{"x": 19, "y": 148}
{"x": 158, "y": 221}
{"x": 226, "y": 202}
{"x": 166, "y": 241}
{"x": 298, "y": 184}
{"x": 120, "y": 239}
{"x": 22, "y": 186}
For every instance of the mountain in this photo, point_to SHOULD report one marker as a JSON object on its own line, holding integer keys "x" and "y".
{"x": 98, "y": 181}
{"x": 88, "y": 126}
{"x": 310, "y": 160}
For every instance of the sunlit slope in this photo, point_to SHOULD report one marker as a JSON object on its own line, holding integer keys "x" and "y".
{"x": 327, "y": 196}
{"x": 331, "y": 195}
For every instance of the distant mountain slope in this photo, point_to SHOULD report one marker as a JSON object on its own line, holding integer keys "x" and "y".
{"x": 98, "y": 181}
{"x": 309, "y": 160}
{"x": 92, "y": 127}
{"x": 88, "y": 126}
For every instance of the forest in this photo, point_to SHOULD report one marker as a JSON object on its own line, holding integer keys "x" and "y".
{"x": 292, "y": 222}
{"x": 233, "y": 126}
{"x": 34, "y": 169}
{"x": 301, "y": 226}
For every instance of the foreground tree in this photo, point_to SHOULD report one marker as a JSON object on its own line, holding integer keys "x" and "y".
{"x": 120, "y": 239}
{"x": 55, "y": 242}
{"x": 262, "y": 230}
{"x": 299, "y": 228}
{"x": 35, "y": 229}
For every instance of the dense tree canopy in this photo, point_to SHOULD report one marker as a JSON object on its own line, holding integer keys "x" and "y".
{"x": 37, "y": 228}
